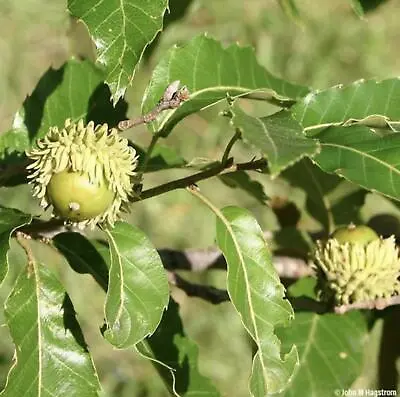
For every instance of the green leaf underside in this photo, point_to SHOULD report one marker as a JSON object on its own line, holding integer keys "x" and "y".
{"x": 171, "y": 346}
{"x": 316, "y": 184}
{"x": 242, "y": 180}
{"x": 52, "y": 356}
{"x": 279, "y": 137}
{"x": 120, "y": 30}
{"x": 210, "y": 72}
{"x": 357, "y": 101}
{"x": 10, "y": 219}
{"x": 138, "y": 288}
{"x": 363, "y": 157}
{"x": 258, "y": 296}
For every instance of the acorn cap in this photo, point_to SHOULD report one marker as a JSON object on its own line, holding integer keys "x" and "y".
{"x": 96, "y": 153}
{"x": 351, "y": 272}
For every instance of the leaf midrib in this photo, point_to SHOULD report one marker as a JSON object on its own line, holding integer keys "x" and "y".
{"x": 363, "y": 154}
{"x": 248, "y": 292}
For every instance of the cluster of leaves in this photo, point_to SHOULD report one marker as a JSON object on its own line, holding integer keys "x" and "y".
{"x": 319, "y": 141}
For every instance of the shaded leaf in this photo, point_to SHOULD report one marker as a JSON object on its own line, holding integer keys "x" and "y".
{"x": 360, "y": 7}
{"x": 362, "y": 157}
{"x": 347, "y": 208}
{"x": 242, "y": 180}
{"x": 14, "y": 142}
{"x": 120, "y": 30}
{"x": 162, "y": 158}
{"x": 211, "y": 72}
{"x": 48, "y": 340}
{"x": 138, "y": 288}
{"x": 291, "y": 9}
{"x": 292, "y": 241}
{"x": 258, "y": 296}
{"x": 10, "y": 219}
{"x": 12, "y": 154}
{"x": 279, "y": 137}
{"x": 61, "y": 94}
{"x": 316, "y": 184}
{"x": 83, "y": 256}
{"x": 330, "y": 348}
{"x": 177, "y": 9}
{"x": 338, "y": 104}
{"x": 171, "y": 346}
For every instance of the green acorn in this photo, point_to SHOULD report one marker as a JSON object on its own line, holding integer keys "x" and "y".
{"x": 356, "y": 265}
{"x": 85, "y": 172}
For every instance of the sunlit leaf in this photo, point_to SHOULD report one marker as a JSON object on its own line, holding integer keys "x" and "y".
{"x": 138, "y": 288}
{"x": 170, "y": 345}
{"x": 258, "y": 296}
{"x": 10, "y": 219}
{"x": 356, "y": 101}
{"x": 330, "y": 348}
{"x": 120, "y": 30}
{"x": 52, "y": 358}
{"x": 279, "y": 137}
{"x": 363, "y": 157}
{"x": 211, "y": 72}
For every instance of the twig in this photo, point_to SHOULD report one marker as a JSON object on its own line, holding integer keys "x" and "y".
{"x": 206, "y": 292}
{"x": 172, "y": 98}
{"x": 193, "y": 179}
{"x": 378, "y": 304}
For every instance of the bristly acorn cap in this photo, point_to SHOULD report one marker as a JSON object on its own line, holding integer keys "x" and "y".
{"x": 354, "y": 272}
{"x": 96, "y": 152}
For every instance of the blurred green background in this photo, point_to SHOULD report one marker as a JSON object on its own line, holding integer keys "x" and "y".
{"x": 328, "y": 44}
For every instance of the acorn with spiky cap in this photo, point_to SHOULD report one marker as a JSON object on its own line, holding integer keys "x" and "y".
{"x": 85, "y": 172}
{"x": 356, "y": 265}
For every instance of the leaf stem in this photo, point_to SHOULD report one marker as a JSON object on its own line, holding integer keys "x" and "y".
{"x": 22, "y": 240}
{"x": 229, "y": 146}
{"x": 193, "y": 179}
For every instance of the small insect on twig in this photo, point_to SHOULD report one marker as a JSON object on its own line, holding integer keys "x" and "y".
{"x": 172, "y": 98}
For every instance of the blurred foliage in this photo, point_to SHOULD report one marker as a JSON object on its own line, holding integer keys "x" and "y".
{"x": 329, "y": 46}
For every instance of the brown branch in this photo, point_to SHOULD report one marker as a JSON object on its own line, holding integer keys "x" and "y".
{"x": 206, "y": 292}
{"x": 198, "y": 260}
{"x": 182, "y": 183}
{"x": 378, "y": 304}
{"x": 172, "y": 98}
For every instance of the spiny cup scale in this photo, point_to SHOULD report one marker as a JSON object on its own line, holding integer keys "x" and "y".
{"x": 355, "y": 265}
{"x": 85, "y": 172}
